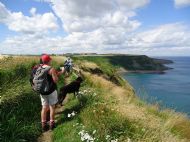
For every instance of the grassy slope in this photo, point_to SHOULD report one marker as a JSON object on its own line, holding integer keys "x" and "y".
{"x": 113, "y": 110}
{"x": 18, "y": 116}
{"x": 110, "y": 108}
{"x": 129, "y": 62}
{"x": 20, "y": 106}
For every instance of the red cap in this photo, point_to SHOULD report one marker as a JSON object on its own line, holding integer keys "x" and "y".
{"x": 45, "y": 58}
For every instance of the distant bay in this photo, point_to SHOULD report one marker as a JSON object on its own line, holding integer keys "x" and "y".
{"x": 172, "y": 88}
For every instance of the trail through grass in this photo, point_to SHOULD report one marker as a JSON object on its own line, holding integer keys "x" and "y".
{"x": 111, "y": 112}
{"x": 107, "y": 109}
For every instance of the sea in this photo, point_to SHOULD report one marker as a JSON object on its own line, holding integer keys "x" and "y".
{"x": 170, "y": 90}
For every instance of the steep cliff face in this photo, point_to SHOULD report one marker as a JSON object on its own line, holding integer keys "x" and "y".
{"x": 139, "y": 63}
{"x": 135, "y": 63}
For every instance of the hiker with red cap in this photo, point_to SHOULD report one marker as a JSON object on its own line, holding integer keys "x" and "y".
{"x": 43, "y": 81}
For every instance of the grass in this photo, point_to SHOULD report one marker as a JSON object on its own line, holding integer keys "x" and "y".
{"x": 18, "y": 116}
{"x": 96, "y": 115}
{"x": 117, "y": 113}
{"x": 93, "y": 115}
{"x": 100, "y": 65}
{"x": 20, "y": 106}
{"x": 106, "y": 111}
{"x": 102, "y": 62}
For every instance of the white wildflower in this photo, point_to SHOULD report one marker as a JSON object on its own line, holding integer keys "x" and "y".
{"x": 114, "y": 140}
{"x": 128, "y": 140}
{"x": 73, "y": 113}
{"x": 94, "y": 132}
{"x": 107, "y": 137}
{"x": 85, "y": 136}
{"x": 69, "y": 115}
{"x": 81, "y": 132}
{"x": 82, "y": 138}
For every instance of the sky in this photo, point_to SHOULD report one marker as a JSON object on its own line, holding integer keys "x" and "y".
{"x": 148, "y": 27}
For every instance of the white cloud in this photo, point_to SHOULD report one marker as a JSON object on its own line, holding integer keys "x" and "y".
{"x": 35, "y": 23}
{"x": 181, "y": 3}
{"x": 4, "y": 14}
{"x": 33, "y": 11}
{"x": 92, "y": 26}
{"x": 88, "y": 15}
{"x": 38, "y": 44}
{"x": 169, "y": 35}
{"x": 171, "y": 39}
{"x": 132, "y": 4}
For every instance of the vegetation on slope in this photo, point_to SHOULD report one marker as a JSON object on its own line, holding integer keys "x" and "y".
{"x": 114, "y": 113}
{"x": 106, "y": 110}
{"x": 129, "y": 62}
{"x": 20, "y": 106}
{"x": 18, "y": 116}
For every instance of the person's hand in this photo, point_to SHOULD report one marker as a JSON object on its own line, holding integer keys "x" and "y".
{"x": 62, "y": 69}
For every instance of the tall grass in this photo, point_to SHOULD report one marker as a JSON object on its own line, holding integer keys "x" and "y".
{"x": 20, "y": 106}
{"x": 102, "y": 62}
{"x": 115, "y": 113}
{"x": 105, "y": 111}
{"x": 100, "y": 65}
{"x": 20, "y": 118}
{"x": 94, "y": 113}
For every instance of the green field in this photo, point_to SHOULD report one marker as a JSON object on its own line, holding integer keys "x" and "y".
{"x": 107, "y": 109}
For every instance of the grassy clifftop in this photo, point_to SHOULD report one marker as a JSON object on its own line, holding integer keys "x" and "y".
{"x": 113, "y": 111}
{"x": 107, "y": 110}
{"x": 131, "y": 62}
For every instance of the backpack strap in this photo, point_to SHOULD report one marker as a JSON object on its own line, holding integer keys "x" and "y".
{"x": 47, "y": 68}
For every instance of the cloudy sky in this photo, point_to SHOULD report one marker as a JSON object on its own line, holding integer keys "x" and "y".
{"x": 151, "y": 27}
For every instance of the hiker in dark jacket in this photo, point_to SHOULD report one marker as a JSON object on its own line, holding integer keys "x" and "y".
{"x": 68, "y": 65}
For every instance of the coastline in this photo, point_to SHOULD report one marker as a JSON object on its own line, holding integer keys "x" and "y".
{"x": 168, "y": 85}
{"x": 122, "y": 71}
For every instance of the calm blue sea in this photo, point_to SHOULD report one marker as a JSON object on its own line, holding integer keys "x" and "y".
{"x": 172, "y": 89}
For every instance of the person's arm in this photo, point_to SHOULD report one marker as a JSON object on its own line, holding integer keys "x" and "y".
{"x": 53, "y": 73}
{"x": 59, "y": 73}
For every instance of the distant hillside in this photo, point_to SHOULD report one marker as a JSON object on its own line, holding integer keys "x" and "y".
{"x": 163, "y": 61}
{"x": 133, "y": 62}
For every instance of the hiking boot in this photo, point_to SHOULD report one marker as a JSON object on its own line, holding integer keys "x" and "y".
{"x": 44, "y": 127}
{"x": 52, "y": 125}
